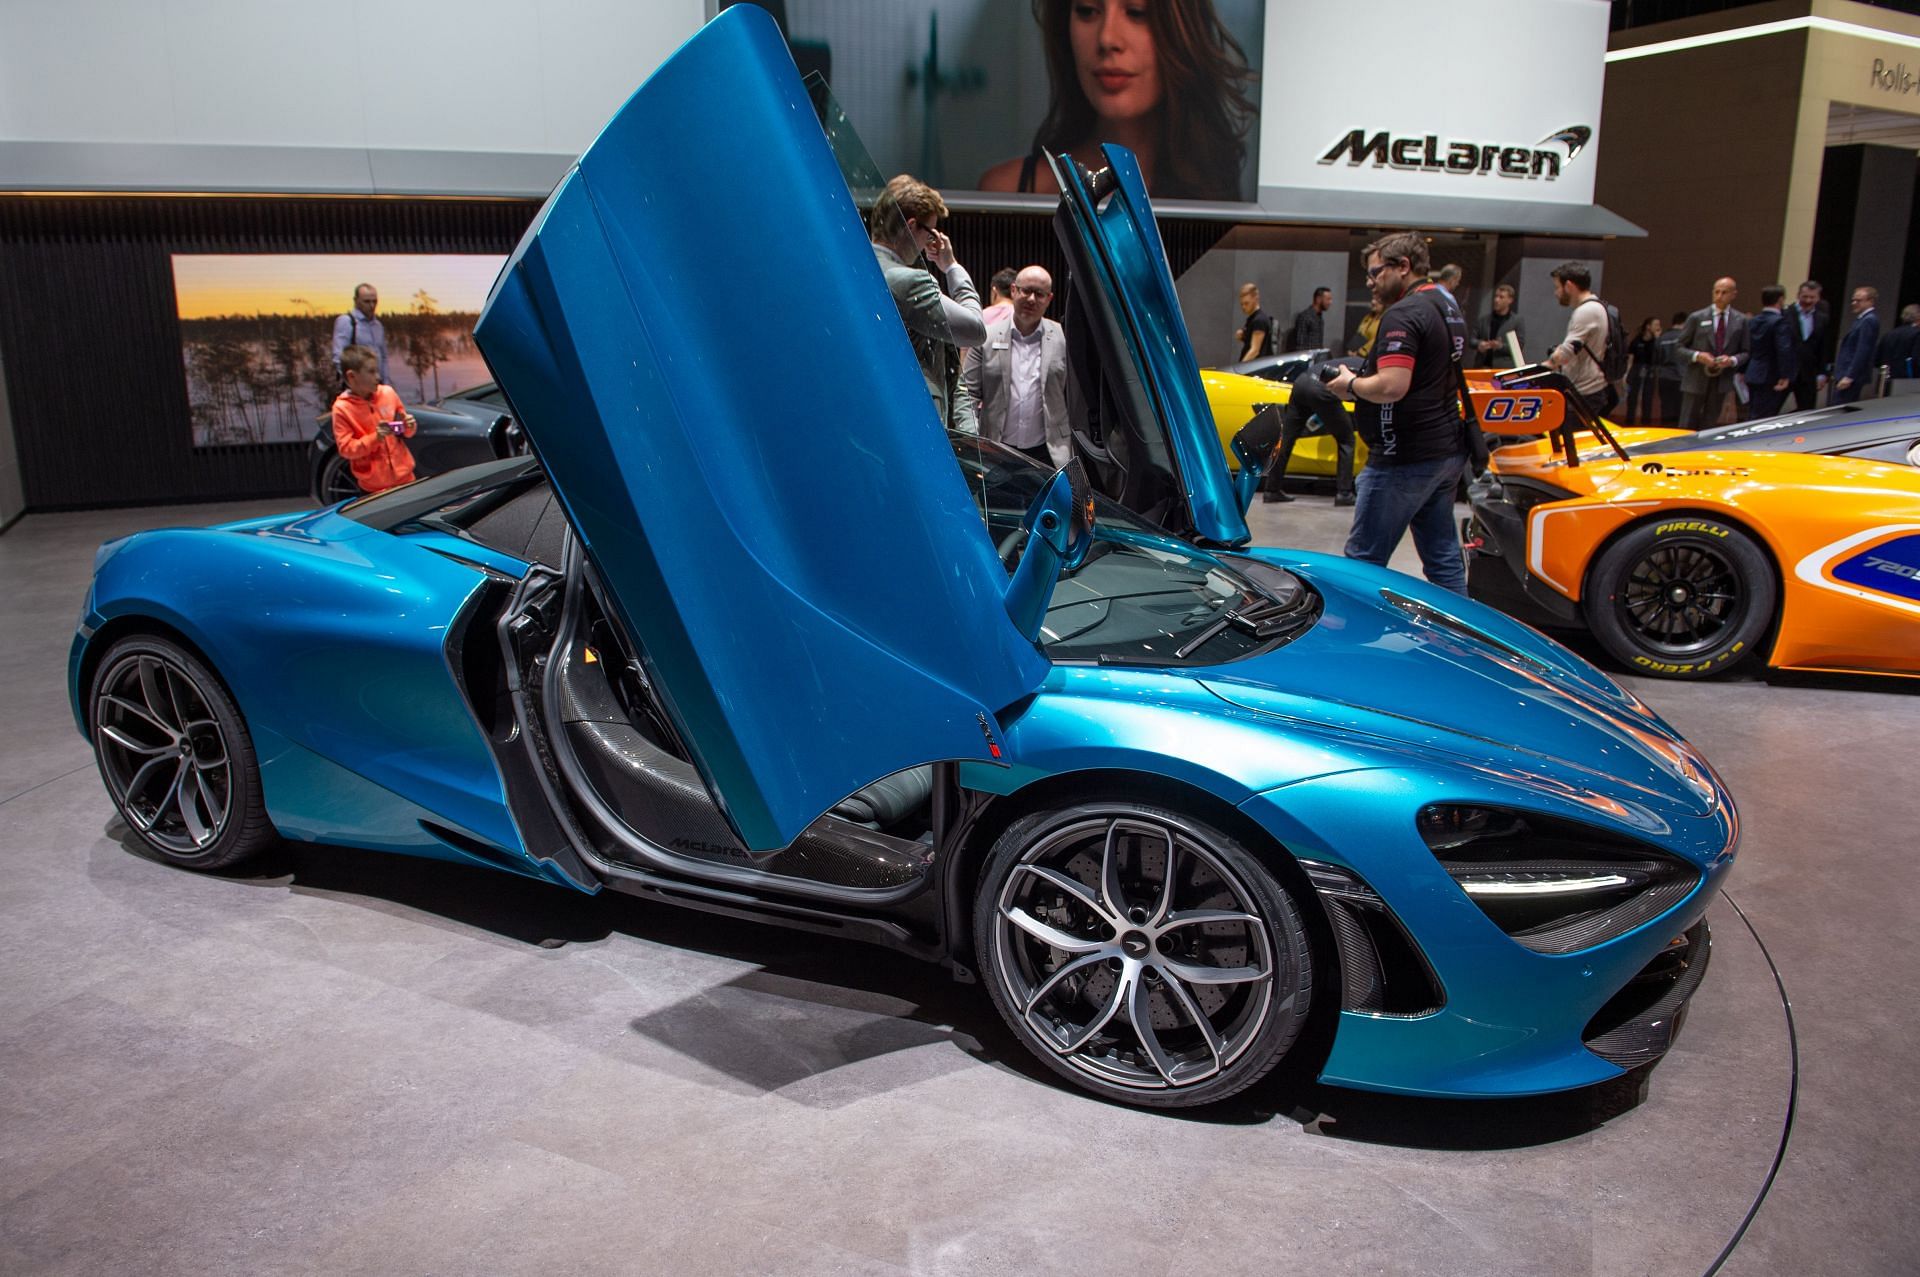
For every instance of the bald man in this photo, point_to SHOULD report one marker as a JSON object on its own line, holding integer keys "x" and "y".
{"x": 1019, "y": 378}
{"x": 1712, "y": 351}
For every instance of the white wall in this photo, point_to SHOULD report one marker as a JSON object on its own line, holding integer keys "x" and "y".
{"x": 94, "y": 84}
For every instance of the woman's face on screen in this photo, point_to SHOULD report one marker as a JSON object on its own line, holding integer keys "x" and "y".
{"x": 1114, "y": 56}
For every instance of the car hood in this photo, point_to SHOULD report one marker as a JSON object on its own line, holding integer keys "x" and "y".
{"x": 1402, "y": 661}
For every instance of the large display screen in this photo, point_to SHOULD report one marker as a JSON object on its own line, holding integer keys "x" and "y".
{"x": 961, "y": 93}
{"x": 256, "y": 334}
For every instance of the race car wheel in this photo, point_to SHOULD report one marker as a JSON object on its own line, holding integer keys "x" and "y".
{"x": 176, "y": 756}
{"x": 1681, "y": 597}
{"x": 1140, "y": 954}
{"x": 336, "y": 482}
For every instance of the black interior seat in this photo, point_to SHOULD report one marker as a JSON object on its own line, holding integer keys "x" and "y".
{"x": 889, "y": 800}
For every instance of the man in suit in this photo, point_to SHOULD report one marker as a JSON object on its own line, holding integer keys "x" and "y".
{"x": 1853, "y": 366}
{"x": 1900, "y": 349}
{"x": 1812, "y": 322}
{"x": 1712, "y": 345}
{"x": 1020, "y": 379}
{"x": 1775, "y": 346}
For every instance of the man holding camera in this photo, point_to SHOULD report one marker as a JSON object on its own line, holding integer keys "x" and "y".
{"x": 371, "y": 425}
{"x": 1407, "y": 408}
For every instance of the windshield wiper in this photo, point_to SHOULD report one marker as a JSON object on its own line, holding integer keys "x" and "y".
{"x": 1262, "y": 620}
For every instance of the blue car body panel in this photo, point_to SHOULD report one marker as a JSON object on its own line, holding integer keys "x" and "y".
{"x": 1135, "y": 275}
{"x": 332, "y": 639}
{"x": 753, "y": 529}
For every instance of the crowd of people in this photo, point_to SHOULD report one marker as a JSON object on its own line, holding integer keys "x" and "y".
{"x": 1697, "y": 368}
{"x": 1001, "y": 369}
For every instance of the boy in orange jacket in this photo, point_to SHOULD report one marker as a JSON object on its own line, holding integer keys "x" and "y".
{"x": 370, "y": 423}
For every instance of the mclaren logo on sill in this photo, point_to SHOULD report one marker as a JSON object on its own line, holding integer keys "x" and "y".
{"x": 1542, "y": 160}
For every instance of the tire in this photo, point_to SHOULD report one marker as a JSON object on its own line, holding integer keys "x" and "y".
{"x": 1681, "y": 597}
{"x": 1074, "y": 974}
{"x": 334, "y": 481}
{"x": 175, "y": 755}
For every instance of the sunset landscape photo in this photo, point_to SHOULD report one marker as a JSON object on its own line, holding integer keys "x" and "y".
{"x": 257, "y": 330}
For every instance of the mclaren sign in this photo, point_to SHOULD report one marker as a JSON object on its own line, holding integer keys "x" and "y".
{"x": 1426, "y": 151}
{"x": 1515, "y": 119}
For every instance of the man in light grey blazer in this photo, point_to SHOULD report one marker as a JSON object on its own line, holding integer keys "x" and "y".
{"x": 1712, "y": 351}
{"x": 1019, "y": 380}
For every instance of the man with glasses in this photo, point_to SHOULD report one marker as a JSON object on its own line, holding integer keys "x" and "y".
{"x": 359, "y": 327}
{"x": 1018, "y": 382}
{"x": 1407, "y": 408}
{"x": 1853, "y": 365}
{"x": 933, "y": 292}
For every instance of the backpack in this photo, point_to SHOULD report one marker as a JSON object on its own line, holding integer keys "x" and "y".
{"x": 1613, "y": 364}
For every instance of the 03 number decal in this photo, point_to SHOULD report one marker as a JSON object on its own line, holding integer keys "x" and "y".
{"x": 1519, "y": 408}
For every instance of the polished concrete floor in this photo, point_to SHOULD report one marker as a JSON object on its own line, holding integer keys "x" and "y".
{"x": 343, "y": 1062}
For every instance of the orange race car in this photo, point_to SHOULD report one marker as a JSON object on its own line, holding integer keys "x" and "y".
{"x": 1796, "y": 538}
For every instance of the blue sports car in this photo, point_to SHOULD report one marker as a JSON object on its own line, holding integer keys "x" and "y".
{"x": 778, "y": 646}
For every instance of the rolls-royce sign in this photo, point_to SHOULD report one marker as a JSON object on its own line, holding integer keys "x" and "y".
{"x": 1428, "y": 152}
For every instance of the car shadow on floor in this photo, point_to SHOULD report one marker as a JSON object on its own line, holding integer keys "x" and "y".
{"x": 812, "y": 1004}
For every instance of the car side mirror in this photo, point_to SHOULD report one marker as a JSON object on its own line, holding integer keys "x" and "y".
{"x": 1059, "y": 527}
{"x": 1253, "y": 447}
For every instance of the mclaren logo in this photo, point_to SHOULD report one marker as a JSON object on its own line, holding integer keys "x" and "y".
{"x": 1542, "y": 160}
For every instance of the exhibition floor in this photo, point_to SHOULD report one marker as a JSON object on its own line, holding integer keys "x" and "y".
{"x": 347, "y": 1062}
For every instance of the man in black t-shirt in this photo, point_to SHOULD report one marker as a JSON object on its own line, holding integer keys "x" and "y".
{"x": 1257, "y": 331}
{"x": 1407, "y": 408}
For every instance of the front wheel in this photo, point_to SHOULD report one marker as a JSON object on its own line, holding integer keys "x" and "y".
{"x": 1142, "y": 955}
{"x": 1681, "y": 597}
{"x": 175, "y": 755}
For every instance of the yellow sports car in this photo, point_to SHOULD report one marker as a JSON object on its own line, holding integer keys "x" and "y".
{"x": 1796, "y": 538}
{"x": 1235, "y": 399}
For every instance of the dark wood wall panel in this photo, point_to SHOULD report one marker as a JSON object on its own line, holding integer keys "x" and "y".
{"x": 1697, "y": 147}
{"x": 92, "y": 342}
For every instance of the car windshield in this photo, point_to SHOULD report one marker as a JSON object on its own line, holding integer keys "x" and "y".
{"x": 1142, "y": 596}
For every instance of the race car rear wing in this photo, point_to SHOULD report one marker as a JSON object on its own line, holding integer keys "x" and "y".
{"x": 1537, "y": 400}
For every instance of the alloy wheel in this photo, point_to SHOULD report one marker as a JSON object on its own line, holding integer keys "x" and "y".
{"x": 163, "y": 754}
{"x": 337, "y": 482}
{"x": 1681, "y": 598}
{"x": 1132, "y": 950}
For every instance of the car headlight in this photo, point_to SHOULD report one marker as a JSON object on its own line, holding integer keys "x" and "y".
{"x": 1554, "y": 885}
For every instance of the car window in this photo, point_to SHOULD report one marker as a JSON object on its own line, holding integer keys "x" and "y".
{"x": 1142, "y": 595}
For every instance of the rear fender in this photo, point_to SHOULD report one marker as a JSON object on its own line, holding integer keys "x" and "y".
{"x": 289, "y": 621}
